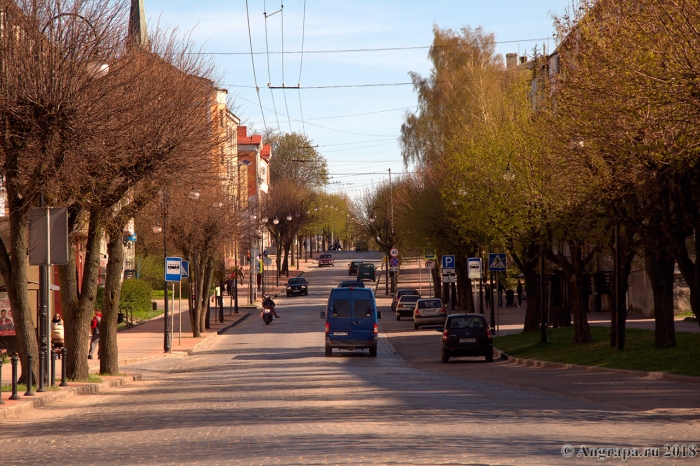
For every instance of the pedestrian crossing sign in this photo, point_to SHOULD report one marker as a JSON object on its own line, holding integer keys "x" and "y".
{"x": 497, "y": 262}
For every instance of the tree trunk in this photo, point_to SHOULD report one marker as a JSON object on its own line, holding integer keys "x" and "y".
{"x": 109, "y": 351}
{"x": 626, "y": 255}
{"x": 79, "y": 304}
{"x": 14, "y": 271}
{"x": 660, "y": 270}
{"x": 206, "y": 285}
{"x": 528, "y": 264}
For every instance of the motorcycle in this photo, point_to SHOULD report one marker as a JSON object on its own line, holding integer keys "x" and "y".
{"x": 267, "y": 316}
{"x": 267, "y": 312}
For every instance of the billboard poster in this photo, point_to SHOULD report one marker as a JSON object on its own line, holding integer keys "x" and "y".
{"x": 7, "y": 325}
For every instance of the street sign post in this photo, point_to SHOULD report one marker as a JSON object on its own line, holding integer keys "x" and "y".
{"x": 474, "y": 267}
{"x": 173, "y": 269}
{"x": 497, "y": 262}
{"x": 449, "y": 276}
{"x": 448, "y": 262}
{"x": 185, "y": 272}
{"x": 429, "y": 255}
{"x": 394, "y": 252}
{"x": 430, "y": 265}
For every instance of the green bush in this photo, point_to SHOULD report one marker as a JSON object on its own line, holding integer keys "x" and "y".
{"x": 136, "y": 294}
{"x": 151, "y": 270}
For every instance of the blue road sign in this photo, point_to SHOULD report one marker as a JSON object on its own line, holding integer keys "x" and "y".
{"x": 448, "y": 262}
{"x": 394, "y": 262}
{"x": 497, "y": 262}
{"x": 173, "y": 269}
{"x": 185, "y": 272}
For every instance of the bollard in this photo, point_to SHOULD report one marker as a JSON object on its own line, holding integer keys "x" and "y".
{"x": 42, "y": 369}
{"x": 63, "y": 368}
{"x": 54, "y": 355}
{"x": 1, "y": 400}
{"x": 30, "y": 375}
{"x": 15, "y": 361}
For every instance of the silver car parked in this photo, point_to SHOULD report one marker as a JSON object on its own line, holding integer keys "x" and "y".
{"x": 429, "y": 311}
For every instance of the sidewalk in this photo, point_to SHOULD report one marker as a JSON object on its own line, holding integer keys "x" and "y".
{"x": 511, "y": 320}
{"x": 145, "y": 341}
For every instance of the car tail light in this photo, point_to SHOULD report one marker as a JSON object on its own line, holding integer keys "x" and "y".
{"x": 416, "y": 312}
{"x": 444, "y": 335}
{"x": 376, "y": 329}
{"x": 442, "y": 311}
{"x": 488, "y": 334}
{"x": 328, "y": 328}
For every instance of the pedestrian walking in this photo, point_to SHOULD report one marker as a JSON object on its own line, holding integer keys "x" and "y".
{"x": 501, "y": 289}
{"x": 95, "y": 327}
{"x": 488, "y": 295}
{"x": 519, "y": 291}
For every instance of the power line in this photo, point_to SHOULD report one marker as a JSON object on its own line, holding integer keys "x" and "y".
{"x": 364, "y": 50}
{"x": 284, "y": 93}
{"x": 255, "y": 78}
{"x": 339, "y": 86}
{"x": 361, "y": 114}
{"x": 269, "y": 78}
{"x": 325, "y": 127}
{"x": 301, "y": 62}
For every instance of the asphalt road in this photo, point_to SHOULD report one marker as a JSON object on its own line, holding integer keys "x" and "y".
{"x": 268, "y": 395}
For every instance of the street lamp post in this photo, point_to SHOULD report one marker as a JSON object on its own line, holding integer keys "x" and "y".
{"x": 276, "y": 221}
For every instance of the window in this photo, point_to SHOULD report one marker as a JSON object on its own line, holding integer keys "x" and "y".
{"x": 363, "y": 308}
{"x": 341, "y": 308}
{"x": 429, "y": 304}
{"x": 468, "y": 322}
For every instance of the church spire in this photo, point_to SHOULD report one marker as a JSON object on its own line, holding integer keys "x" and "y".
{"x": 138, "y": 35}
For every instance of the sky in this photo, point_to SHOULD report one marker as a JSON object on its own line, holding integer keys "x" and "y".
{"x": 352, "y": 100}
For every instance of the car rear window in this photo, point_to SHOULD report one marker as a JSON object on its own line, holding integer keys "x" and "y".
{"x": 363, "y": 308}
{"x": 429, "y": 304}
{"x": 341, "y": 308}
{"x": 409, "y": 298}
{"x": 296, "y": 281}
{"x": 326, "y": 256}
{"x": 467, "y": 322}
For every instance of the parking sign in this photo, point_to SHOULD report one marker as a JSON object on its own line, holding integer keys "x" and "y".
{"x": 448, "y": 262}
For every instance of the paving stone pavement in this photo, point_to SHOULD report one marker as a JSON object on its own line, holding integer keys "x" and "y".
{"x": 267, "y": 395}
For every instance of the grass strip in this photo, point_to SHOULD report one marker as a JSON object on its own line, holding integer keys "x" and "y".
{"x": 639, "y": 353}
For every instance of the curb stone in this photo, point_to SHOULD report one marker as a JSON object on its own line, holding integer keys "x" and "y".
{"x": 536, "y": 363}
{"x": 49, "y": 399}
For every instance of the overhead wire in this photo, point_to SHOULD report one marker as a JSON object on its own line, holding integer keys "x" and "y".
{"x": 252, "y": 59}
{"x": 284, "y": 93}
{"x": 301, "y": 63}
{"x": 365, "y": 50}
{"x": 325, "y": 127}
{"x": 269, "y": 78}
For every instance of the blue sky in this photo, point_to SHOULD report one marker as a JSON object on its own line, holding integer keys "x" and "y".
{"x": 355, "y": 128}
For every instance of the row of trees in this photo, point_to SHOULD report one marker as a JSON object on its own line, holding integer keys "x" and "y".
{"x": 587, "y": 153}
{"x": 100, "y": 122}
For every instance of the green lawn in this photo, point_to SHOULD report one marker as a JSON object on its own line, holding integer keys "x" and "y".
{"x": 639, "y": 352}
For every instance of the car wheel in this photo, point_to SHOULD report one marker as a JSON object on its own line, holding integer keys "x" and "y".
{"x": 373, "y": 351}
{"x": 398, "y": 316}
{"x": 489, "y": 357}
{"x": 445, "y": 358}
{"x": 329, "y": 350}
{"x": 415, "y": 326}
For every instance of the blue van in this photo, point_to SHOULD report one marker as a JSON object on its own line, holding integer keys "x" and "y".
{"x": 351, "y": 320}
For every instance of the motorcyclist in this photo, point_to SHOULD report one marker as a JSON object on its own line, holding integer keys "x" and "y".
{"x": 268, "y": 303}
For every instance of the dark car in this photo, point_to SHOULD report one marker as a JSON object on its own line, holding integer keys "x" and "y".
{"x": 361, "y": 246}
{"x": 466, "y": 335}
{"x": 366, "y": 271}
{"x": 400, "y": 292}
{"x": 352, "y": 267}
{"x": 297, "y": 286}
{"x": 351, "y": 284}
